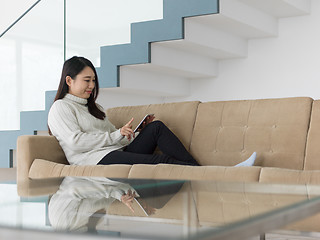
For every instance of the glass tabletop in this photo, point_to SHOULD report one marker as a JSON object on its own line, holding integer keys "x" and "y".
{"x": 153, "y": 209}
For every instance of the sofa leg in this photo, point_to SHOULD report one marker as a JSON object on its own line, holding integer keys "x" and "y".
{"x": 263, "y": 236}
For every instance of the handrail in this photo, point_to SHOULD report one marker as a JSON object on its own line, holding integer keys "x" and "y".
{"x": 16, "y": 21}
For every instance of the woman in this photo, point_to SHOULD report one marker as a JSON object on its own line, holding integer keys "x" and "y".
{"x": 86, "y": 135}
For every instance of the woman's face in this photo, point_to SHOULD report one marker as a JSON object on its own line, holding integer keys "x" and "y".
{"x": 83, "y": 84}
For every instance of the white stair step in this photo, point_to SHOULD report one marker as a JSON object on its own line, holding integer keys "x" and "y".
{"x": 208, "y": 41}
{"x": 182, "y": 63}
{"x": 170, "y": 61}
{"x": 242, "y": 20}
{"x": 141, "y": 78}
{"x": 281, "y": 8}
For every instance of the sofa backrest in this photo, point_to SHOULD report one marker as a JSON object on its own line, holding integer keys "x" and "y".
{"x": 228, "y": 132}
{"x": 179, "y": 117}
{"x": 312, "y": 159}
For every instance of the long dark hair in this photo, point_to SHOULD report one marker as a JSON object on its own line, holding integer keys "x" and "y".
{"x": 72, "y": 67}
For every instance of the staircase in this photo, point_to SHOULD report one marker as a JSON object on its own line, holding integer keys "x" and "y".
{"x": 164, "y": 56}
{"x": 207, "y": 40}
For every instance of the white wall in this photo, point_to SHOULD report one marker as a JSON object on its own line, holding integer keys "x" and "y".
{"x": 285, "y": 66}
{"x": 31, "y": 58}
{"x": 11, "y": 10}
{"x": 31, "y": 53}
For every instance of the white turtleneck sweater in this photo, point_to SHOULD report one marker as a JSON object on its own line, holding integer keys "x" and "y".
{"x": 84, "y": 138}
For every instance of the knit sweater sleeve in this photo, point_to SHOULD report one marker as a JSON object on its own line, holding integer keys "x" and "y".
{"x": 63, "y": 123}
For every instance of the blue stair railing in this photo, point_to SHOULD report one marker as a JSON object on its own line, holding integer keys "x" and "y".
{"x": 171, "y": 27}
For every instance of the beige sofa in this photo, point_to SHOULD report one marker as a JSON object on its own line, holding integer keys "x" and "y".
{"x": 285, "y": 133}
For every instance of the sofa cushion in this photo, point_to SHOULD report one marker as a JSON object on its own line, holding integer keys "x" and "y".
{"x": 226, "y": 133}
{"x": 312, "y": 160}
{"x": 179, "y": 117}
{"x": 289, "y": 176}
{"x": 44, "y": 169}
{"x": 218, "y": 173}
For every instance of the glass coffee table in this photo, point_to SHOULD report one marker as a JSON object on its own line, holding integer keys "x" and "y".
{"x": 91, "y": 208}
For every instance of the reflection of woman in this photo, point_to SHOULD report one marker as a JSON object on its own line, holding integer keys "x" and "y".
{"x": 77, "y": 199}
{"x": 74, "y": 205}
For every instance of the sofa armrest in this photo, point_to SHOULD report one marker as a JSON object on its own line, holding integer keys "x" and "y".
{"x": 31, "y": 147}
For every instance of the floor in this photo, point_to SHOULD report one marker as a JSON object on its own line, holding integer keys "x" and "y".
{"x": 11, "y": 173}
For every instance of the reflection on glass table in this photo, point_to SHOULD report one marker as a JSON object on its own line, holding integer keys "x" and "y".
{"x": 80, "y": 203}
{"x": 176, "y": 209}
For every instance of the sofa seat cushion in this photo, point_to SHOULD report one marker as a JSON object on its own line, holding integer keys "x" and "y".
{"x": 217, "y": 173}
{"x": 289, "y": 176}
{"x": 46, "y": 169}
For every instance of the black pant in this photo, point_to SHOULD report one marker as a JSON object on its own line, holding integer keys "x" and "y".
{"x": 141, "y": 150}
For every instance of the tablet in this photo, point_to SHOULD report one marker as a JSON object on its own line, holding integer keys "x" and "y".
{"x": 140, "y": 124}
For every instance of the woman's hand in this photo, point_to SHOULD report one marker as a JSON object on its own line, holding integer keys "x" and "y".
{"x": 149, "y": 210}
{"x": 148, "y": 120}
{"x": 127, "y": 199}
{"x": 127, "y": 131}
